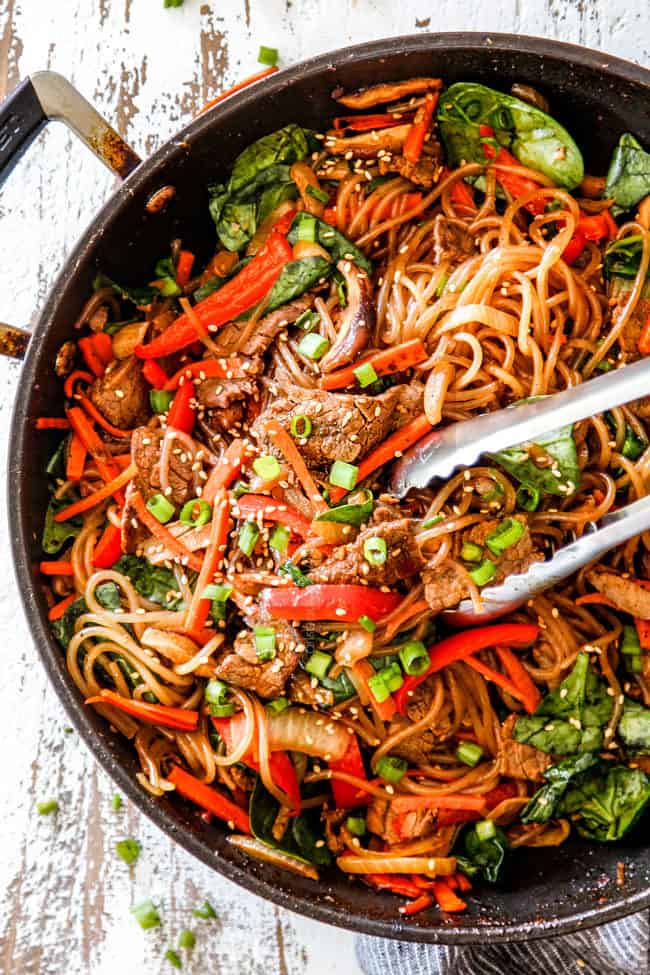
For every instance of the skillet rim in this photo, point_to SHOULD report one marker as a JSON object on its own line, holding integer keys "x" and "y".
{"x": 248, "y": 876}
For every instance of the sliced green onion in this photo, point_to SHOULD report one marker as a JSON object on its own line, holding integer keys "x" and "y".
{"x": 442, "y": 284}
{"x": 47, "y": 807}
{"x": 268, "y": 55}
{"x": 216, "y": 691}
{"x": 288, "y": 568}
{"x": 301, "y": 426}
{"x": 305, "y": 229}
{"x": 366, "y": 374}
{"x": 375, "y": 550}
{"x": 169, "y": 288}
{"x": 633, "y": 446}
{"x": 430, "y": 522}
{"x": 353, "y": 512}
{"x": 264, "y": 637}
{"x": 391, "y": 768}
{"x": 343, "y": 475}
{"x": 267, "y": 467}
{"x": 634, "y": 663}
{"x": 367, "y": 623}
{"x": 630, "y": 644}
{"x": 356, "y": 825}
{"x": 160, "y": 400}
{"x": 278, "y": 705}
{"x": 146, "y": 914}
{"x": 279, "y": 539}
{"x": 247, "y": 537}
{"x": 308, "y": 320}
{"x": 216, "y": 592}
{"x": 485, "y": 830}
{"x": 414, "y": 658}
{"x": 317, "y": 193}
{"x": 528, "y": 497}
{"x": 206, "y": 912}
{"x": 471, "y": 552}
{"x": 507, "y": 533}
{"x": 378, "y": 688}
{"x": 116, "y": 803}
{"x": 196, "y": 512}
{"x": 392, "y": 676}
{"x": 319, "y": 663}
{"x": 128, "y": 850}
{"x": 186, "y": 939}
{"x": 313, "y": 346}
{"x": 483, "y": 572}
{"x": 469, "y": 753}
{"x": 222, "y": 710}
{"x": 239, "y": 488}
{"x": 160, "y": 508}
{"x": 173, "y": 958}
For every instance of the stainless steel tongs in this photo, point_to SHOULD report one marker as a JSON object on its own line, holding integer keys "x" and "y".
{"x": 461, "y": 444}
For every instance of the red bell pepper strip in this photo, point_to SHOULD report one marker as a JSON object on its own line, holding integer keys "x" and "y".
{"x": 182, "y": 412}
{"x": 109, "y": 547}
{"x": 405, "y": 804}
{"x": 58, "y": 610}
{"x": 388, "y": 361}
{"x": 344, "y": 603}
{"x": 462, "y": 196}
{"x": 515, "y": 185}
{"x": 178, "y": 718}
{"x": 595, "y": 227}
{"x": 393, "y": 882}
{"x": 283, "y": 225}
{"x": 57, "y": 568}
{"x": 244, "y": 290}
{"x": 103, "y": 346}
{"x": 518, "y": 674}
{"x": 453, "y": 817}
{"x": 643, "y": 343}
{"x": 52, "y": 423}
{"x": 365, "y": 123}
{"x": 251, "y": 506}
{"x": 205, "y": 368}
{"x": 209, "y": 799}
{"x": 347, "y": 796}
{"x": 419, "y": 128}
{"x": 495, "y": 676}
{"x": 155, "y": 375}
{"x": 91, "y": 356}
{"x": 462, "y": 645}
{"x": 574, "y": 248}
{"x": 77, "y": 376}
{"x": 184, "y": 268}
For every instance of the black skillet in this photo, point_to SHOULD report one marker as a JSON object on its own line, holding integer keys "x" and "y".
{"x": 597, "y": 97}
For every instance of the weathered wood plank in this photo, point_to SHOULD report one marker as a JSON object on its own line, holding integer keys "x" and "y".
{"x": 64, "y": 896}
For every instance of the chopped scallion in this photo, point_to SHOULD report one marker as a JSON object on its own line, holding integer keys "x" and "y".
{"x": 483, "y": 572}
{"x": 268, "y": 55}
{"x": 414, "y": 658}
{"x": 528, "y": 497}
{"x": 186, "y": 939}
{"x": 392, "y": 676}
{"x": 375, "y": 551}
{"x": 391, "y": 768}
{"x": 507, "y": 533}
{"x": 485, "y": 830}
{"x": 160, "y": 400}
{"x": 471, "y": 552}
{"x": 216, "y": 697}
{"x": 146, "y": 914}
{"x": 128, "y": 850}
{"x": 630, "y": 644}
{"x": 356, "y": 825}
{"x": 247, "y": 537}
{"x": 160, "y": 508}
{"x": 317, "y": 193}
{"x": 469, "y": 753}
{"x": 173, "y": 958}
{"x": 206, "y": 912}
{"x": 378, "y": 688}
{"x": 343, "y": 475}
{"x": 318, "y": 664}
{"x": 366, "y": 374}
{"x": 278, "y": 705}
{"x": 47, "y": 807}
{"x": 313, "y": 346}
{"x": 306, "y": 229}
{"x": 308, "y": 320}
{"x": 196, "y": 512}
{"x": 267, "y": 467}
{"x": 430, "y": 522}
{"x": 264, "y": 637}
{"x": 116, "y": 803}
{"x": 301, "y": 426}
{"x": 367, "y": 623}
{"x": 279, "y": 539}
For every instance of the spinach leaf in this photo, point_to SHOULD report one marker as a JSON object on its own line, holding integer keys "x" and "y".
{"x": 485, "y": 857}
{"x": 634, "y": 726}
{"x": 622, "y": 257}
{"x": 300, "y": 836}
{"x": 608, "y": 800}
{"x": 236, "y": 222}
{"x": 295, "y": 278}
{"x": 532, "y": 136}
{"x": 139, "y": 296}
{"x": 571, "y": 718}
{"x": 342, "y": 688}
{"x": 56, "y": 464}
{"x": 57, "y": 533}
{"x": 560, "y": 445}
{"x": 332, "y": 240}
{"x": 108, "y": 596}
{"x": 154, "y": 582}
{"x": 289, "y": 568}
{"x": 628, "y": 176}
{"x": 543, "y": 805}
{"x": 287, "y": 145}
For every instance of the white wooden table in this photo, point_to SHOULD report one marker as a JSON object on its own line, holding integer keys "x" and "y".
{"x": 64, "y": 895}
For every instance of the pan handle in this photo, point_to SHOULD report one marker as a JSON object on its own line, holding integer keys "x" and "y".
{"x": 47, "y": 97}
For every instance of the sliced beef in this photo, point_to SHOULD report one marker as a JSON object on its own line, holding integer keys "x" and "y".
{"x": 146, "y": 446}
{"x": 516, "y": 559}
{"x": 242, "y": 667}
{"x": 266, "y": 330}
{"x": 519, "y": 761}
{"x": 348, "y": 563}
{"x": 410, "y": 403}
{"x": 385, "y": 511}
{"x": 303, "y": 689}
{"x": 627, "y": 594}
{"x": 418, "y": 748}
{"x": 223, "y": 402}
{"x": 388, "y": 91}
{"x": 121, "y": 395}
{"x": 451, "y": 241}
{"x": 344, "y": 426}
{"x": 629, "y": 337}
{"x": 133, "y": 535}
{"x": 444, "y": 586}
{"x": 399, "y": 827}
{"x": 424, "y": 172}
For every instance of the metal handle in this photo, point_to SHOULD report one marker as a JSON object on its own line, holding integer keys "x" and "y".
{"x": 461, "y": 444}
{"x": 47, "y": 97}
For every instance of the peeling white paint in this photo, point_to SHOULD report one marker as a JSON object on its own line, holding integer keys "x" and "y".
{"x": 64, "y": 896}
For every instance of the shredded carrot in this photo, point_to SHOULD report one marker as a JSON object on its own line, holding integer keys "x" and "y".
{"x": 122, "y": 460}
{"x": 94, "y": 413}
{"x": 58, "y": 610}
{"x": 57, "y": 568}
{"x": 204, "y": 369}
{"x": 284, "y": 443}
{"x": 520, "y": 677}
{"x": 388, "y": 361}
{"x": 78, "y": 376}
{"x": 212, "y": 563}
{"x": 447, "y": 900}
{"x": 93, "y": 443}
{"x": 497, "y": 678}
{"x": 595, "y": 598}
{"x": 238, "y": 87}
{"x": 92, "y": 500}
{"x": 225, "y": 470}
{"x": 416, "y": 906}
{"x": 181, "y": 719}
{"x": 405, "y": 804}
{"x": 91, "y": 355}
{"x": 419, "y": 128}
{"x": 76, "y": 460}
{"x": 389, "y": 450}
{"x": 208, "y": 798}
{"x": 158, "y": 530}
{"x": 464, "y": 883}
{"x": 52, "y": 423}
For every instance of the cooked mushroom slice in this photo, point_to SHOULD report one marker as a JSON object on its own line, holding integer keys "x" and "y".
{"x": 529, "y": 94}
{"x": 367, "y": 144}
{"x": 626, "y": 594}
{"x": 357, "y": 321}
{"x": 380, "y": 94}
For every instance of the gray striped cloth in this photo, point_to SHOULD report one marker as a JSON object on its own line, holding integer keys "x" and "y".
{"x": 619, "y": 948}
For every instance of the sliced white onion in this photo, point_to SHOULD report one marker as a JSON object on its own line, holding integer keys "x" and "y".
{"x": 255, "y": 848}
{"x": 430, "y": 866}
{"x": 307, "y": 731}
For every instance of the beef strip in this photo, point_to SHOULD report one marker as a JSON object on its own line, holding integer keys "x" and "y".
{"x": 629, "y": 337}
{"x": 451, "y": 241}
{"x": 266, "y": 330}
{"x": 516, "y": 559}
{"x": 418, "y": 748}
{"x": 121, "y": 395}
{"x": 344, "y": 426}
{"x": 389, "y": 91}
{"x": 132, "y": 534}
{"x": 444, "y": 586}
{"x": 425, "y": 172}
{"x": 146, "y": 445}
{"x": 303, "y": 689}
{"x": 242, "y": 667}
{"x": 519, "y": 761}
{"x": 627, "y": 594}
{"x": 348, "y": 563}
{"x": 399, "y": 827}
